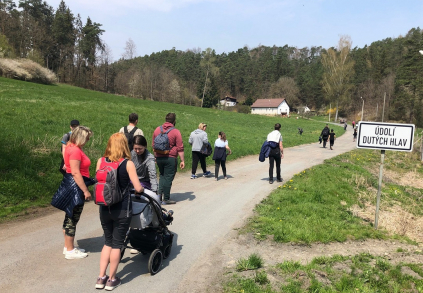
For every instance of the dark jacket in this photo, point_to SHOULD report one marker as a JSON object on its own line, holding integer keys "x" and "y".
{"x": 265, "y": 150}
{"x": 325, "y": 137}
{"x": 219, "y": 154}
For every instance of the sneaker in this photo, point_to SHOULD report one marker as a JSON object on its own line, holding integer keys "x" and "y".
{"x": 165, "y": 202}
{"x": 101, "y": 282}
{"x": 193, "y": 176}
{"x": 270, "y": 181}
{"x": 112, "y": 284}
{"x": 75, "y": 254}
{"x": 215, "y": 179}
{"x": 65, "y": 249}
{"x": 134, "y": 251}
{"x": 206, "y": 174}
{"x": 279, "y": 180}
{"x": 226, "y": 178}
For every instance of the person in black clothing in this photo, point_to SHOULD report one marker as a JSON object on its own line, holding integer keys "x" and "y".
{"x": 332, "y": 137}
{"x": 325, "y": 135}
{"x": 355, "y": 134}
{"x": 276, "y": 153}
{"x": 115, "y": 219}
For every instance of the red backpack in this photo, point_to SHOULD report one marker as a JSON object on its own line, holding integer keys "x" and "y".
{"x": 107, "y": 191}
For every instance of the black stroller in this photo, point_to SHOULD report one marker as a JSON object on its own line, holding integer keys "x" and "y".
{"x": 148, "y": 232}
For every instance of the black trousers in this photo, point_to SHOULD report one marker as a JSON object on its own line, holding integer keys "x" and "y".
{"x": 217, "y": 164}
{"x": 325, "y": 140}
{"x": 197, "y": 156}
{"x": 275, "y": 156}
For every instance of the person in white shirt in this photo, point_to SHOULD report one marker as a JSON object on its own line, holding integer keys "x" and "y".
{"x": 131, "y": 130}
{"x": 274, "y": 138}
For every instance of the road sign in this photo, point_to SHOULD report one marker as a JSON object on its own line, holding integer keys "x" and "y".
{"x": 385, "y": 136}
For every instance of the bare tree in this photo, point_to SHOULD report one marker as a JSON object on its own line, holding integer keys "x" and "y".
{"x": 130, "y": 50}
{"x": 339, "y": 69}
{"x": 207, "y": 62}
{"x": 287, "y": 88}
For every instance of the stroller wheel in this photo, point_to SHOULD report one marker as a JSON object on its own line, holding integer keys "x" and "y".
{"x": 155, "y": 261}
{"x": 167, "y": 250}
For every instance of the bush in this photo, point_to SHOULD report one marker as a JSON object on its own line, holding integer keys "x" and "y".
{"x": 24, "y": 69}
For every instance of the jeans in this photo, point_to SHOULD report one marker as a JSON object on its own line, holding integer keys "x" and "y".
{"x": 167, "y": 169}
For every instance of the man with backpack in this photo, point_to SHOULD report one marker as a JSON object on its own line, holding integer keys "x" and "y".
{"x": 131, "y": 130}
{"x": 167, "y": 146}
{"x": 325, "y": 135}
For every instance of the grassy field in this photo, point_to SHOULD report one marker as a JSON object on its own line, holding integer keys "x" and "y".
{"x": 34, "y": 117}
{"x": 317, "y": 206}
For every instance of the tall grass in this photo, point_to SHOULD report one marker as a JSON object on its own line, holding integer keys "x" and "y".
{"x": 34, "y": 117}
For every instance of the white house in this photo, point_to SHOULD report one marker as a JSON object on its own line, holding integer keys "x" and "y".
{"x": 228, "y": 102}
{"x": 270, "y": 107}
{"x": 303, "y": 109}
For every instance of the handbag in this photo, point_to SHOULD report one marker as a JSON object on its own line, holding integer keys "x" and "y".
{"x": 69, "y": 195}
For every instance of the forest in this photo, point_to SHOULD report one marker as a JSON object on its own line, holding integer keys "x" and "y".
{"x": 339, "y": 79}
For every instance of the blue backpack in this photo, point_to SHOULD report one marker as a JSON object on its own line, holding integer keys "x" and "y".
{"x": 161, "y": 142}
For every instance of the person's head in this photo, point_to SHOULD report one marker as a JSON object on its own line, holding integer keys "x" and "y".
{"x": 171, "y": 118}
{"x": 331, "y": 130}
{"x": 327, "y": 125}
{"x": 133, "y": 118}
{"x": 140, "y": 144}
{"x": 74, "y": 123}
{"x": 80, "y": 135}
{"x": 222, "y": 135}
{"x": 202, "y": 126}
{"x": 117, "y": 148}
{"x": 277, "y": 126}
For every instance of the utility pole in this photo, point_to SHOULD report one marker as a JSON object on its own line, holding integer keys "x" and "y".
{"x": 362, "y": 109}
{"x": 330, "y": 107}
{"x": 377, "y": 108}
{"x": 383, "y": 112}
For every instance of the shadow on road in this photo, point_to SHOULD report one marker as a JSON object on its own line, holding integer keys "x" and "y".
{"x": 94, "y": 244}
{"x": 183, "y": 196}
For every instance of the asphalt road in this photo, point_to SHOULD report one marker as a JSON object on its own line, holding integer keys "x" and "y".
{"x": 206, "y": 211}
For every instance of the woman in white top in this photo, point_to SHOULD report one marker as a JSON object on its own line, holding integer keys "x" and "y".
{"x": 219, "y": 155}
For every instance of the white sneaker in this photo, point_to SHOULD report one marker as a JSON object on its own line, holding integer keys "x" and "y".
{"x": 75, "y": 254}
{"x": 80, "y": 249}
{"x": 134, "y": 251}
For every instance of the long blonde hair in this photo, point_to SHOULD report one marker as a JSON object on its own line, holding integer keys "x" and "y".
{"x": 117, "y": 148}
{"x": 80, "y": 135}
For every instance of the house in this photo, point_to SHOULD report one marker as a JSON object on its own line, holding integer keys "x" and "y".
{"x": 270, "y": 107}
{"x": 228, "y": 102}
{"x": 303, "y": 109}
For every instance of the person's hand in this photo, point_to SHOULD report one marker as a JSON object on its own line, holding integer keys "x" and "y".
{"x": 182, "y": 165}
{"x": 282, "y": 155}
{"x": 87, "y": 195}
{"x": 64, "y": 167}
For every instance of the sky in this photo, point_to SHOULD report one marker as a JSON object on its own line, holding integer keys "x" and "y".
{"x": 227, "y": 25}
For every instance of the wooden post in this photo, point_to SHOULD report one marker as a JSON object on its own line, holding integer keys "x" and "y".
{"x": 379, "y": 189}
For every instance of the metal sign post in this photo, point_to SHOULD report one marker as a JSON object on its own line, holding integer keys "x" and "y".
{"x": 384, "y": 136}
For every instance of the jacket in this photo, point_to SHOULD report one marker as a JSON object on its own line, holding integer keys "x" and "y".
{"x": 146, "y": 170}
{"x": 219, "y": 153}
{"x": 264, "y": 152}
{"x": 197, "y": 139}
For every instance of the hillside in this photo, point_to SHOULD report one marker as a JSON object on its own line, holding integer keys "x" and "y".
{"x": 34, "y": 117}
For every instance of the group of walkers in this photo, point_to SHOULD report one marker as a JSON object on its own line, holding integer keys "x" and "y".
{"x": 327, "y": 134}
{"x": 127, "y": 153}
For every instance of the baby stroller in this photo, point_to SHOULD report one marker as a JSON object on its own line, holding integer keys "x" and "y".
{"x": 148, "y": 232}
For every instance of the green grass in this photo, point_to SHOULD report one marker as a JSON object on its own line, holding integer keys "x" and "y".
{"x": 359, "y": 273}
{"x": 315, "y": 205}
{"x": 254, "y": 261}
{"x": 34, "y": 117}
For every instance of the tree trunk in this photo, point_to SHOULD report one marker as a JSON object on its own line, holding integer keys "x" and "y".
{"x": 204, "y": 89}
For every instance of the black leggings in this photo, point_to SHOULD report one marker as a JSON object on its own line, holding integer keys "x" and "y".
{"x": 217, "y": 164}
{"x": 69, "y": 224}
{"x": 197, "y": 156}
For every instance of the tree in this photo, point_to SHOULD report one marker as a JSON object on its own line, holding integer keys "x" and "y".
{"x": 207, "y": 63}
{"x": 339, "y": 69}
{"x": 286, "y": 88}
{"x": 130, "y": 50}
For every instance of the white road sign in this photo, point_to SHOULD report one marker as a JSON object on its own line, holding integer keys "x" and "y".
{"x": 385, "y": 136}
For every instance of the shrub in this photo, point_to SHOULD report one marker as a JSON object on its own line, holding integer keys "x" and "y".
{"x": 24, "y": 69}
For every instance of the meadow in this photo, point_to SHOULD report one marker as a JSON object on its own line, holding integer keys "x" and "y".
{"x": 34, "y": 117}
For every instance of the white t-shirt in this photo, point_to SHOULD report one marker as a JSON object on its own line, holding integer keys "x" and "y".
{"x": 275, "y": 136}
{"x": 130, "y": 127}
{"x": 220, "y": 143}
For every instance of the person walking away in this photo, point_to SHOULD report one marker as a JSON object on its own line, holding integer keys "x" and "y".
{"x": 332, "y": 138}
{"x": 219, "y": 155}
{"x": 65, "y": 139}
{"x": 353, "y": 124}
{"x": 77, "y": 171}
{"x": 345, "y": 125}
{"x": 276, "y": 153}
{"x": 115, "y": 219}
{"x": 144, "y": 164}
{"x": 167, "y": 161}
{"x": 355, "y": 134}
{"x": 197, "y": 139}
{"x": 131, "y": 130}
{"x": 325, "y": 135}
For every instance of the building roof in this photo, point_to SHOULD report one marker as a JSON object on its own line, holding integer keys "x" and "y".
{"x": 267, "y": 103}
{"x": 229, "y": 99}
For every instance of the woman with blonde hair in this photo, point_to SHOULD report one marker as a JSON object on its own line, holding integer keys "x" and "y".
{"x": 115, "y": 219}
{"x": 74, "y": 184}
{"x": 197, "y": 139}
{"x": 219, "y": 155}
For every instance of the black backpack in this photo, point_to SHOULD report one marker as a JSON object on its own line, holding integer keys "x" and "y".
{"x": 130, "y": 136}
{"x": 325, "y": 131}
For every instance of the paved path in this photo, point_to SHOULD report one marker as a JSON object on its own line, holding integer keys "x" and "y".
{"x": 31, "y": 251}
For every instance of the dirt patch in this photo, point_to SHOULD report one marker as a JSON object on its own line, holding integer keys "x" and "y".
{"x": 412, "y": 178}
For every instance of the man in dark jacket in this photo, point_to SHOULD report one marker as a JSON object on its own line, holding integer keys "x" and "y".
{"x": 274, "y": 139}
{"x": 325, "y": 135}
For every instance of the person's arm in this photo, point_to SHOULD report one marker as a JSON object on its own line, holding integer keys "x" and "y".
{"x": 132, "y": 172}
{"x": 281, "y": 148}
{"x": 227, "y": 147}
{"x": 151, "y": 168}
{"x": 182, "y": 157}
{"x": 76, "y": 173}
{"x": 180, "y": 149}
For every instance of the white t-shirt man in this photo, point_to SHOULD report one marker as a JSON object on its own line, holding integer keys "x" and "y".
{"x": 275, "y": 136}
{"x": 130, "y": 127}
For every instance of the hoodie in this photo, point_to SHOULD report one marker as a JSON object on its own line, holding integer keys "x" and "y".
{"x": 197, "y": 139}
